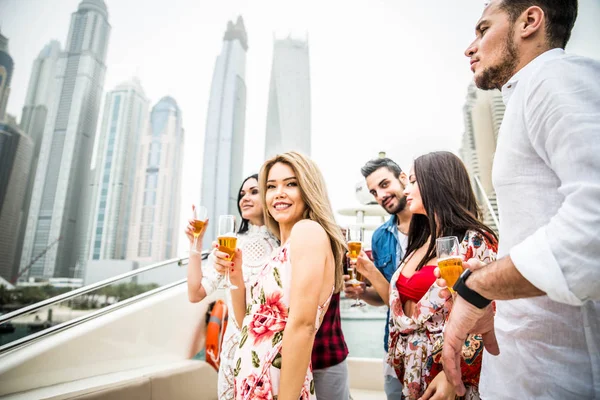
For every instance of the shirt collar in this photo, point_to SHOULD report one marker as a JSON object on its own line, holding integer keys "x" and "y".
{"x": 391, "y": 224}
{"x": 528, "y": 70}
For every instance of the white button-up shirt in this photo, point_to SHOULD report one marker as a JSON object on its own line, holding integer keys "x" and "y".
{"x": 547, "y": 179}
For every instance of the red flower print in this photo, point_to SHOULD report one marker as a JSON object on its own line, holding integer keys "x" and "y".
{"x": 469, "y": 253}
{"x": 258, "y": 389}
{"x": 268, "y": 319}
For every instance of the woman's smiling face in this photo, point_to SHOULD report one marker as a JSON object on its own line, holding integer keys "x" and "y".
{"x": 283, "y": 196}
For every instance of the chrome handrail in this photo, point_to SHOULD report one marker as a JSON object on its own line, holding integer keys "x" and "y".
{"x": 92, "y": 315}
{"x": 94, "y": 286}
{"x": 487, "y": 202}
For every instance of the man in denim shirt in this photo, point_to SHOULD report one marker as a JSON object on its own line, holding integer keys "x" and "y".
{"x": 385, "y": 181}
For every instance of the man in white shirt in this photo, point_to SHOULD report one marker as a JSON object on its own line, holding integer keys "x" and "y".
{"x": 547, "y": 179}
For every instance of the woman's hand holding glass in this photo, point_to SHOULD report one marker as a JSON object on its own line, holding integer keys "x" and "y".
{"x": 224, "y": 265}
{"x": 196, "y": 227}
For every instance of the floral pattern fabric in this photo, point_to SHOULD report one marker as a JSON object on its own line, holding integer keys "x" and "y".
{"x": 211, "y": 281}
{"x": 415, "y": 342}
{"x": 258, "y": 365}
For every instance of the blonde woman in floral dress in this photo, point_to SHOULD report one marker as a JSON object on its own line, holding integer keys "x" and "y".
{"x": 440, "y": 196}
{"x": 284, "y": 307}
{"x": 203, "y": 280}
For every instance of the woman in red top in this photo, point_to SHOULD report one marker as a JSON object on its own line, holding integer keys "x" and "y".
{"x": 442, "y": 201}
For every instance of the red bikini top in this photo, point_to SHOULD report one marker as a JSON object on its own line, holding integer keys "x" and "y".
{"x": 415, "y": 287}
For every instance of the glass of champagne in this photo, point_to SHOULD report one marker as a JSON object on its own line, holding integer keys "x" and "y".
{"x": 198, "y": 220}
{"x": 227, "y": 242}
{"x": 449, "y": 260}
{"x": 354, "y": 236}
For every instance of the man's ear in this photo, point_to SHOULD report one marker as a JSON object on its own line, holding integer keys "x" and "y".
{"x": 531, "y": 21}
{"x": 403, "y": 178}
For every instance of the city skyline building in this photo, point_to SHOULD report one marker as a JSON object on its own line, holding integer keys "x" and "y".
{"x": 483, "y": 113}
{"x": 154, "y": 222}
{"x": 59, "y": 210}
{"x": 289, "y": 108}
{"x": 225, "y": 129}
{"x": 16, "y": 150}
{"x": 6, "y": 70}
{"x": 124, "y": 122}
{"x": 40, "y": 96}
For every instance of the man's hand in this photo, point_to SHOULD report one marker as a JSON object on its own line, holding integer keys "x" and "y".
{"x": 465, "y": 318}
{"x": 351, "y": 291}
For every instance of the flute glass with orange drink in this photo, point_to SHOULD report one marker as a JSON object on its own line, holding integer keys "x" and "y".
{"x": 354, "y": 236}
{"x": 449, "y": 260}
{"x": 227, "y": 240}
{"x": 198, "y": 220}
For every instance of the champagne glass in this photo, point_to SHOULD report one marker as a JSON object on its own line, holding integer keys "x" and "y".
{"x": 449, "y": 260}
{"x": 354, "y": 236}
{"x": 227, "y": 242}
{"x": 198, "y": 220}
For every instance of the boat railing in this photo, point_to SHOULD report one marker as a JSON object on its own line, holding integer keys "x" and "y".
{"x": 6, "y": 318}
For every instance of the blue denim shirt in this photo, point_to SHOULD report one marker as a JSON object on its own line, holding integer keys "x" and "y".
{"x": 387, "y": 253}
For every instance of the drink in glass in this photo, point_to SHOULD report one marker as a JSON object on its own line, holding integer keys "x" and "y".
{"x": 354, "y": 249}
{"x": 449, "y": 259}
{"x": 227, "y": 240}
{"x": 227, "y": 244}
{"x": 354, "y": 236}
{"x": 198, "y": 221}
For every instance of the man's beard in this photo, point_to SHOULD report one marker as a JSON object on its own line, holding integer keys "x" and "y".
{"x": 495, "y": 77}
{"x": 400, "y": 207}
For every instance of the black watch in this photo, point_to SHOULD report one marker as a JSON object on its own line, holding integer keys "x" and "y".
{"x": 469, "y": 295}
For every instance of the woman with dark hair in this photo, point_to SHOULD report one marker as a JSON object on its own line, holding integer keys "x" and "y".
{"x": 442, "y": 201}
{"x": 258, "y": 244}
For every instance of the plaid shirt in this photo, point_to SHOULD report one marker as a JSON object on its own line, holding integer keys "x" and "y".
{"x": 330, "y": 347}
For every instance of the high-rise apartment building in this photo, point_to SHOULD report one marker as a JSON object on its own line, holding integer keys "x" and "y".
{"x": 289, "y": 109}
{"x": 154, "y": 223}
{"x": 6, "y": 71}
{"x": 224, "y": 140}
{"x": 124, "y": 123}
{"x": 40, "y": 96}
{"x": 483, "y": 113}
{"x": 16, "y": 150}
{"x": 58, "y": 208}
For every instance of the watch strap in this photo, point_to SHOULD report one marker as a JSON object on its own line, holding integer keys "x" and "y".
{"x": 468, "y": 294}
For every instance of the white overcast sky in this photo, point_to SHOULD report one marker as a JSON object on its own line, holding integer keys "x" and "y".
{"x": 385, "y": 74}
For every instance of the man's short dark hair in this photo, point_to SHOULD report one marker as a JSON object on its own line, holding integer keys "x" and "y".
{"x": 373, "y": 165}
{"x": 560, "y": 17}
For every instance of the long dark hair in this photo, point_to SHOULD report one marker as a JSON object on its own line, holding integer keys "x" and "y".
{"x": 448, "y": 200}
{"x": 244, "y": 225}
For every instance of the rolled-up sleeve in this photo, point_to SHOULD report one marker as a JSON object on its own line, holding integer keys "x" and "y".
{"x": 562, "y": 258}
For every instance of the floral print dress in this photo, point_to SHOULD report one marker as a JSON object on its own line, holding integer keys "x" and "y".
{"x": 256, "y": 236}
{"x": 415, "y": 342}
{"x": 258, "y": 366}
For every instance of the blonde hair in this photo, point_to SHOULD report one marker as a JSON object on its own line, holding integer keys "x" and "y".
{"x": 318, "y": 207}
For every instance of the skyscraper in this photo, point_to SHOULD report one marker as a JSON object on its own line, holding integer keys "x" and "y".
{"x": 62, "y": 178}
{"x": 6, "y": 71}
{"x": 40, "y": 97}
{"x": 123, "y": 124}
{"x": 154, "y": 223}
{"x": 225, "y": 124}
{"x": 483, "y": 113}
{"x": 288, "y": 113}
{"x": 16, "y": 150}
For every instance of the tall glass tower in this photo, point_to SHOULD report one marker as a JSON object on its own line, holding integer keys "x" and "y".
{"x": 123, "y": 125}
{"x": 154, "y": 224}
{"x": 225, "y": 127}
{"x": 289, "y": 110}
{"x": 59, "y": 205}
